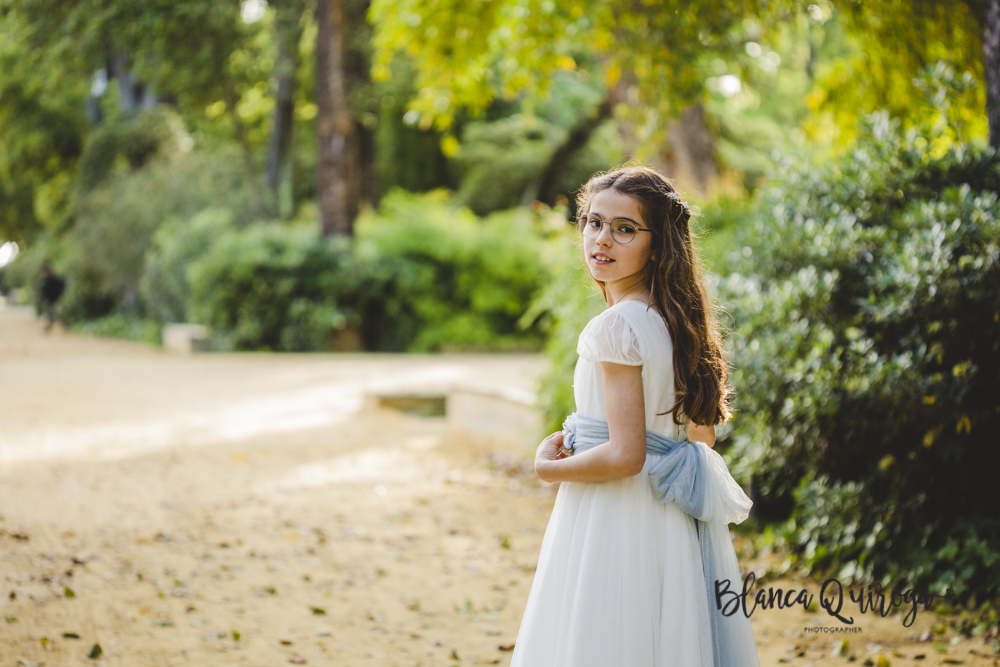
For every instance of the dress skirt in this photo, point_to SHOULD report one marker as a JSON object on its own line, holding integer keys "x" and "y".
{"x": 619, "y": 583}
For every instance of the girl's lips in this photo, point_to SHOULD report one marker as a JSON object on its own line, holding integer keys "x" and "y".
{"x": 602, "y": 259}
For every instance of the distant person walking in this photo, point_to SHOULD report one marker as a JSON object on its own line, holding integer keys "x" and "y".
{"x": 53, "y": 287}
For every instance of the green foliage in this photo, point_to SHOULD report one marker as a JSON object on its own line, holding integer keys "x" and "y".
{"x": 465, "y": 59}
{"x": 438, "y": 278}
{"x": 177, "y": 243}
{"x": 270, "y": 287}
{"x": 866, "y": 358}
{"x": 103, "y": 253}
{"x": 121, "y": 326}
{"x": 131, "y": 140}
{"x": 891, "y": 44}
{"x": 499, "y": 160}
{"x": 42, "y": 122}
{"x": 422, "y": 275}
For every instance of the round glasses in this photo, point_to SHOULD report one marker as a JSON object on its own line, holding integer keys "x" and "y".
{"x": 622, "y": 231}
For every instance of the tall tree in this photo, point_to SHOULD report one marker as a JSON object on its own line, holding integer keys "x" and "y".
{"x": 991, "y": 64}
{"x": 337, "y": 177}
{"x": 182, "y": 49}
{"x": 287, "y": 33}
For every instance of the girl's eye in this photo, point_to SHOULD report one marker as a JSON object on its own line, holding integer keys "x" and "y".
{"x": 594, "y": 223}
{"x": 626, "y": 229}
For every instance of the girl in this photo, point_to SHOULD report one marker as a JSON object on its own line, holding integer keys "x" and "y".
{"x": 638, "y": 535}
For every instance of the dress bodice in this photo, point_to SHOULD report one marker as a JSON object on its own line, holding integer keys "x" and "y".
{"x": 633, "y": 334}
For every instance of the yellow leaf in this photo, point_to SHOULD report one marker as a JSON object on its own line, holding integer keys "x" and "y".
{"x": 214, "y": 110}
{"x": 566, "y": 63}
{"x": 613, "y": 74}
{"x": 963, "y": 424}
{"x": 929, "y": 400}
{"x": 815, "y": 99}
{"x": 450, "y": 145}
{"x": 307, "y": 111}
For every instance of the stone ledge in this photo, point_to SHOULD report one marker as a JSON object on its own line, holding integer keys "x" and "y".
{"x": 185, "y": 338}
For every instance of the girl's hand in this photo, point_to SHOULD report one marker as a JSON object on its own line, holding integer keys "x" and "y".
{"x": 550, "y": 449}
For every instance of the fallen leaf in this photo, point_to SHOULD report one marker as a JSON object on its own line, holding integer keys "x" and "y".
{"x": 95, "y": 652}
{"x": 70, "y": 635}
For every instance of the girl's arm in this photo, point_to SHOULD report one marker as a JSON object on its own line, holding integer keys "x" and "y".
{"x": 624, "y": 455}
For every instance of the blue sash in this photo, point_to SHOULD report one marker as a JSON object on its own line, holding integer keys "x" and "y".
{"x": 694, "y": 477}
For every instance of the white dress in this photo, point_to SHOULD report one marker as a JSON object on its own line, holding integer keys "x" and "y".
{"x": 620, "y": 580}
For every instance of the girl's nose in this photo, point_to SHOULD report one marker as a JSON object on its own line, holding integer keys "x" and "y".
{"x": 604, "y": 236}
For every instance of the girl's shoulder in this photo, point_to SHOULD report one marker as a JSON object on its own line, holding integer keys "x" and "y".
{"x": 637, "y": 313}
{"x": 612, "y": 336}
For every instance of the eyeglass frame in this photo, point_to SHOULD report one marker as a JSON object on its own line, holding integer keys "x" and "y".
{"x": 581, "y": 218}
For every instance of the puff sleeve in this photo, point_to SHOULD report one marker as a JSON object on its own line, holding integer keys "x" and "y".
{"x": 610, "y": 337}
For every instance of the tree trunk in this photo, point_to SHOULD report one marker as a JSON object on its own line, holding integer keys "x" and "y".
{"x": 991, "y": 67}
{"x": 240, "y": 130}
{"x": 359, "y": 82}
{"x": 546, "y": 189}
{"x": 690, "y": 157}
{"x": 336, "y": 171}
{"x": 287, "y": 32}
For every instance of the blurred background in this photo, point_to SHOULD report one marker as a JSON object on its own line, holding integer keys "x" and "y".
{"x": 397, "y": 176}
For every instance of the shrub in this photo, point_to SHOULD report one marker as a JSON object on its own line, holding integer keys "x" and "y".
{"x": 103, "y": 254}
{"x": 131, "y": 140}
{"x": 499, "y": 160}
{"x": 866, "y": 304}
{"x": 438, "y": 278}
{"x": 272, "y": 287}
{"x": 175, "y": 246}
{"x": 121, "y": 326}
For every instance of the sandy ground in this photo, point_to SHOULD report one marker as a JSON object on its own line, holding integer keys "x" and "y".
{"x": 250, "y": 510}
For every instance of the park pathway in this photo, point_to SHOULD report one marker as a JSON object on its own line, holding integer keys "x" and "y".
{"x": 256, "y": 509}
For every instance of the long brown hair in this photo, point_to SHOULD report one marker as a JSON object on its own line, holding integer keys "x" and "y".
{"x": 676, "y": 286}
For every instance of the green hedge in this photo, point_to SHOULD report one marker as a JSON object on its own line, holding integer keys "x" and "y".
{"x": 439, "y": 278}
{"x": 867, "y": 305}
{"x": 269, "y": 286}
{"x": 421, "y": 275}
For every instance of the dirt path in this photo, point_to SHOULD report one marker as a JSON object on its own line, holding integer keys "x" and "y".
{"x": 246, "y": 510}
